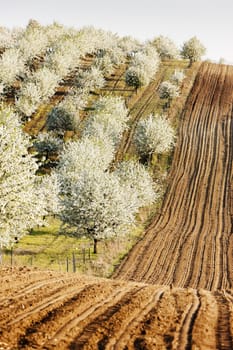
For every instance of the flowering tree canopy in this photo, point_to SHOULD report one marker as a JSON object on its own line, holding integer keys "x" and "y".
{"x": 168, "y": 90}
{"x": 135, "y": 176}
{"x": 24, "y": 197}
{"x": 178, "y": 76}
{"x": 109, "y": 119}
{"x": 89, "y": 154}
{"x": 193, "y": 50}
{"x": 143, "y": 66}
{"x": 95, "y": 202}
{"x": 165, "y": 47}
{"x": 154, "y": 134}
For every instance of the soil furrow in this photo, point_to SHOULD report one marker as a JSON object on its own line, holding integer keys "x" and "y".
{"x": 97, "y": 331}
{"x": 187, "y": 244}
{"x": 224, "y": 337}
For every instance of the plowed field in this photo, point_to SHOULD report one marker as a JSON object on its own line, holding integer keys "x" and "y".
{"x": 185, "y": 257}
{"x": 190, "y": 244}
{"x": 48, "y": 310}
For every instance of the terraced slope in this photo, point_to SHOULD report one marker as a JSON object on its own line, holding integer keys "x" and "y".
{"x": 48, "y": 310}
{"x": 190, "y": 244}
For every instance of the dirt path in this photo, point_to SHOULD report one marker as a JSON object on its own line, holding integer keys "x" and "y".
{"x": 190, "y": 243}
{"x": 64, "y": 311}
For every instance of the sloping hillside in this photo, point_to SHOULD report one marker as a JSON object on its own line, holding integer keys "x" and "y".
{"x": 190, "y": 243}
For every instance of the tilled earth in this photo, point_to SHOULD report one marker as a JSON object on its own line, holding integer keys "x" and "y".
{"x": 175, "y": 288}
{"x": 190, "y": 244}
{"x": 49, "y": 310}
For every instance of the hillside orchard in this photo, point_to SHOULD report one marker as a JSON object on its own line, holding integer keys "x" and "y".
{"x": 91, "y": 194}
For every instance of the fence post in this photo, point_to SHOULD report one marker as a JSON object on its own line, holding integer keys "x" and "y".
{"x": 84, "y": 255}
{"x": 11, "y": 256}
{"x": 74, "y": 263}
{"x": 67, "y": 264}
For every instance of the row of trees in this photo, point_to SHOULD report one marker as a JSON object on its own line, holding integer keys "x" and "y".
{"x": 90, "y": 199}
{"x": 192, "y": 49}
{"x": 59, "y": 50}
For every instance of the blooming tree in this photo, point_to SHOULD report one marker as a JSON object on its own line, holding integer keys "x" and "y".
{"x": 168, "y": 90}
{"x": 135, "y": 176}
{"x": 104, "y": 64}
{"x": 11, "y": 65}
{"x": 177, "y": 77}
{"x": 95, "y": 202}
{"x": 109, "y": 119}
{"x": 129, "y": 44}
{"x": 88, "y": 153}
{"x": 90, "y": 79}
{"x": 97, "y": 206}
{"x": 165, "y": 47}
{"x": 6, "y": 38}
{"x": 24, "y": 197}
{"x": 193, "y": 50}
{"x": 154, "y": 134}
{"x": 36, "y": 90}
{"x": 143, "y": 66}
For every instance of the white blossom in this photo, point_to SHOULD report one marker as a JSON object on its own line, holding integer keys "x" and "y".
{"x": 165, "y": 47}
{"x": 11, "y": 64}
{"x": 178, "y": 76}
{"x": 88, "y": 153}
{"x": 138, "y": 181}
{"x": 193, "y": 49}
{"x": 96, "y": 205}
{"x": 143, "y": 66}
{"x": 168, "y": 90}
{"x": 109, "y": 119}
{"x": 36, "y": 90}
{"x": 154, "y": 134}
{"x": 22, "y": 198}
{"x": 90, "y": 79}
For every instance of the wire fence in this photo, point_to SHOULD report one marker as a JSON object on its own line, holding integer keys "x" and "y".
{"x": 78, "y": 260}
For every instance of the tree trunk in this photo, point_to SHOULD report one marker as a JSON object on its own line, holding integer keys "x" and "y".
{"x": 95, "y": 245}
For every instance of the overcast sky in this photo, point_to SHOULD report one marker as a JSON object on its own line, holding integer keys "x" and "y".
{"x": 210, "y": 20}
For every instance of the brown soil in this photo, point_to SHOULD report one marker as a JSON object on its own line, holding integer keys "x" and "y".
{"x": 185, "y": 256}
{"x": 190, "y": 243}
{"x": 49, "y": 310}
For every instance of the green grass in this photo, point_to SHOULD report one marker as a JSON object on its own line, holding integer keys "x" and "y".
{"x": 45, "y": 248}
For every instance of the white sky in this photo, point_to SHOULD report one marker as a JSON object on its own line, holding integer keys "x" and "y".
{"x": 210, "y": 20}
